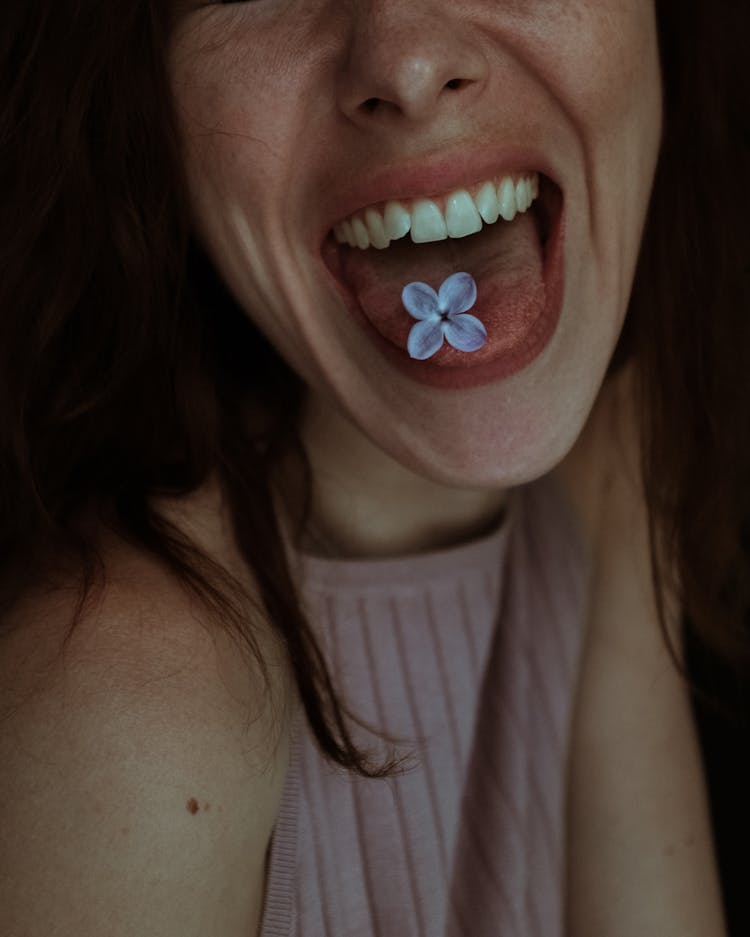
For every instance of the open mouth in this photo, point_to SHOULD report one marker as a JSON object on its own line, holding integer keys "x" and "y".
{"x": 510, "y": 244}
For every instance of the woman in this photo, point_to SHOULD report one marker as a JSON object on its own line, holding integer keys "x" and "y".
{"x": 390, "y": 333}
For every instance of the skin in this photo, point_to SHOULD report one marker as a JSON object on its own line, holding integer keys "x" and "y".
{"x": 270, "y": 98}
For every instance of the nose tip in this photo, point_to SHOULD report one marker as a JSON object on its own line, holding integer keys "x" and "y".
{"x": 408, "y": 66}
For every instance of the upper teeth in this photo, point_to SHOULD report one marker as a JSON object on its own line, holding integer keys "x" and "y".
{"x": 455, "y": 215}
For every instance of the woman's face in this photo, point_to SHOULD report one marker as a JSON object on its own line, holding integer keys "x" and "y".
{"x": 299, "y": 115}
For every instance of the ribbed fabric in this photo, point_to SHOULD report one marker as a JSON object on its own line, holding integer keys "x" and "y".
{"x": 471, "y": 653}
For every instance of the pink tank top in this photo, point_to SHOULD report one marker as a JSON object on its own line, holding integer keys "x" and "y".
{"x": 471, "y": 653}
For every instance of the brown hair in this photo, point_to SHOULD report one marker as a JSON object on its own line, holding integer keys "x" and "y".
{"x": 127, "y": 369}
{"x": 689, "y": 326}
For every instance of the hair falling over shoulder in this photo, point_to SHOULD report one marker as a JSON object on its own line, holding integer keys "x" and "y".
{"x": 121, "y": 378}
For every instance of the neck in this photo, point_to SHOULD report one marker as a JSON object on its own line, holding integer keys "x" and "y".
{"x": 367, "y": 505}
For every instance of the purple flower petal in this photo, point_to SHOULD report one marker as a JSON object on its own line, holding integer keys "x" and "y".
{"x": 457, "y": 294}
{"x": 426, "y": 338}
{"x": 420, "y": 300}
{"x": 465, "y": 332}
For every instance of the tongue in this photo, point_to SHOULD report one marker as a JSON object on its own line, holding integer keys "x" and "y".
{"x": 505, "y": 260}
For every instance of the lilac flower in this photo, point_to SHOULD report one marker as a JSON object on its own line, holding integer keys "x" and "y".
{"x": 443, "y": 315}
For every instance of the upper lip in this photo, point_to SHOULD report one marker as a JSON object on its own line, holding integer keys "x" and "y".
{"x": 427, "y": 176}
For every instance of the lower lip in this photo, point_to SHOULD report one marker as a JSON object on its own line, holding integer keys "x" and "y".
{"x": 513, "y": 358}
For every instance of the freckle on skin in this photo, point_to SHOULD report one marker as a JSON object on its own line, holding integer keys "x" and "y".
{"x": 207, "y": 806}
{"x": 192, "y": 805}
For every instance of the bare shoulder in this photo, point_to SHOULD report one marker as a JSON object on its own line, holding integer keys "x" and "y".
{"x": 141, "y": 767}
{"x": 640, "y": 851}
{"x": 144, "y": 629}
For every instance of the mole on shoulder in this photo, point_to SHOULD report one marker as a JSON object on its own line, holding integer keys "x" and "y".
{"x": 193, "y": 806}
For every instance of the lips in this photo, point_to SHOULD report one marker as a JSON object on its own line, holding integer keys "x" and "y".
{"x": 518, "y": 267}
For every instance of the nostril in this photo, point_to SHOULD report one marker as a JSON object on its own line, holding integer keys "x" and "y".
{"x": 407, "y": 100}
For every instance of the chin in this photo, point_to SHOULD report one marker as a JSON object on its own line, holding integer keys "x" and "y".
{"x": 500, "y": 456}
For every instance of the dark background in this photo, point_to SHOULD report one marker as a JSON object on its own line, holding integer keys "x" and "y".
{"x": 724, "y": 731}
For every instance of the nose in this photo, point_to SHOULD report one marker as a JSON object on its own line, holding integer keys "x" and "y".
{"x": 408, "y": 60}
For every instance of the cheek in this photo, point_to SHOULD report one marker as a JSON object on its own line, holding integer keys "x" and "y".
{"x": 244, "y": 75}
{"x": 599, "y": 58}
{"x": 622, "y": 60}
{"x": 602, "y": 57}
{"x": 232, "y": 109}
{"x": 235, "y": 92}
